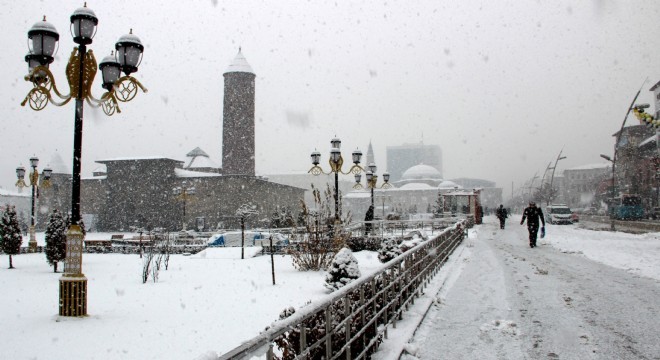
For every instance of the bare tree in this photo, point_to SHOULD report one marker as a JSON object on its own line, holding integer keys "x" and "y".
{"x": 321, "y": 237}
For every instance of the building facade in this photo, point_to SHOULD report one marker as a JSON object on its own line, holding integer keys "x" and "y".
{"x": 402, "y": 157}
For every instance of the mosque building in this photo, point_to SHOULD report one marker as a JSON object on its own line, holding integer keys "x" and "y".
{"x": 125, "y": 193}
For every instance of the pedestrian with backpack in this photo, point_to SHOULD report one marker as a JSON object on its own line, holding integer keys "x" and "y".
{"x": 502, "y": 214}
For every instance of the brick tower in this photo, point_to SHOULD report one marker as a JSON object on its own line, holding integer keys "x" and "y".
{"x": 238, "y": 119}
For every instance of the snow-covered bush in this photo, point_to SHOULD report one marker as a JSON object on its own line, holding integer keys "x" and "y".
{"x": 412, "y": 239}
{"x": 388, "y": 250}
{"x": 343, "y": 270}
{"x": 360, "y": 243}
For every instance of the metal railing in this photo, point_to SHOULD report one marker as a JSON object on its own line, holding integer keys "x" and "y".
{"x": 353, "y": 321}
{"x": 385, "y": 228}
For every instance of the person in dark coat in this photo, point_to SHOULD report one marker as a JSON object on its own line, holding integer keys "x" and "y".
{"x": 368, "y": 218}
{"x": 533, "y": 214}
{"x": 502, "y": 214}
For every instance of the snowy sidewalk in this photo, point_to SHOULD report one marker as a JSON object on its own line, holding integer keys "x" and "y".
{"x": 579, "y": 295}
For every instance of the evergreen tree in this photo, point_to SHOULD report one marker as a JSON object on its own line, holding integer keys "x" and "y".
{"x": 343, "y": 270}
{"x": 56, "y": 239}
{"x": 11, "y": 234}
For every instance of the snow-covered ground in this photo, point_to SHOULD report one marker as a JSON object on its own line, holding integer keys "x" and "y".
{"x": 208, "y": 303}
{"x": 581, "y": 294}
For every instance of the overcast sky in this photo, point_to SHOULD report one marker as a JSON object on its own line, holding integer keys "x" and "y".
{"x": 501, "y": 86}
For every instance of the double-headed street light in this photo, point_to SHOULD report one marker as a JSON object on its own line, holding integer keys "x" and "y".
{"x": 184, "y": 193}
{"x": 80, "y": 72}
{"x": 34, "y": 182}
{"x": 636, "y": 108}
{"x": 336, "y": 161}
{"x": 559, "y": 157}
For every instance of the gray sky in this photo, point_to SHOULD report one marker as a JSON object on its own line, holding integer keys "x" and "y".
{"x": 501, "y": 86}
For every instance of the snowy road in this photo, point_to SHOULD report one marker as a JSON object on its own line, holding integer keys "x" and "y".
{"x": 514, "y": 302}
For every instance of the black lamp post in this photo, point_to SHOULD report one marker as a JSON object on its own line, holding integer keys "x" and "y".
{"x": 80, "y": 72}
{"x": 372, "y": 178}
{"x": 336, "y": 161}
{"x": 34, "y": 183}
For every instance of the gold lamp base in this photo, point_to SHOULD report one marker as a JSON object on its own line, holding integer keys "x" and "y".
{"x": 73, "y": 296}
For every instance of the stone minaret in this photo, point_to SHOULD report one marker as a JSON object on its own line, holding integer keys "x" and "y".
{"x": 238, "y": 119}
{"x": 370, "y": 155}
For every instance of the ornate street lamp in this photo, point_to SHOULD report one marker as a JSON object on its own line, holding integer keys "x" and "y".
{"x": 80, "y": 72}
{"x": 372, "y": 179}
{"x": 34, "y": 182}
{"x": 336, "y": 162}
{"x": 184, "y": 193}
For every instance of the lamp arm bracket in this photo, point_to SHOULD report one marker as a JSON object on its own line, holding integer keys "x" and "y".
{"x": 39, "y": 97}
{"x": 126, "y": 87}
{"x": 42, "y": 77}
{"x": 355, "y": 169}
{"x": 316, "y": 170}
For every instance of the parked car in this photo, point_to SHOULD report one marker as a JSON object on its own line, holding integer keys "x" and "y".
{"x": 559, "y": 214}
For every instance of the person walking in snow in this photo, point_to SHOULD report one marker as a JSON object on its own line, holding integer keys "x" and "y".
{"x": 533, "y": 214}
{"x": 502, "y": 214}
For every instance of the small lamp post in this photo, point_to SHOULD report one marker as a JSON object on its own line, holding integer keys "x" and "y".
{"x": 34, "y": 183}
{"x": 80, "y": 72}
{"x": 183, "y": 193}
{"x": 242, "y": 212}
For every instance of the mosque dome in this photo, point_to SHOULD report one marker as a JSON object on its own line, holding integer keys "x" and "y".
{"x": 416, "y": 186}
{"x": 449, "y": 185}
{"x": 421, "y": 171}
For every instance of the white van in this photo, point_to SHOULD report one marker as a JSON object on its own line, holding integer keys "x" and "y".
{"x": 558, "y": 214}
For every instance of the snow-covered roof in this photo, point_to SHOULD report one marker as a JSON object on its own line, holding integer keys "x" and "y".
{"x": 449, "y": 185}
{"x": 190, "y": 174}
{"x": 4, "y": 192}
{"x": 155, "y": 157}
{"x": 100, "y": 177}
{"x": 421, "y": 171}
{"x": 460, "y": 193}
{"x": 197, "y": 152}
{"x": 655, "y": 86}
{"x": 416, "y": 186}
{"x": 200, "y": 160}
{"x": 57, "y": 164}
{"x": 358, "y": 194}
{"x": 591, "y": 166}
{"x": 648, "y": 140}
{"x": 239, "y": 64}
